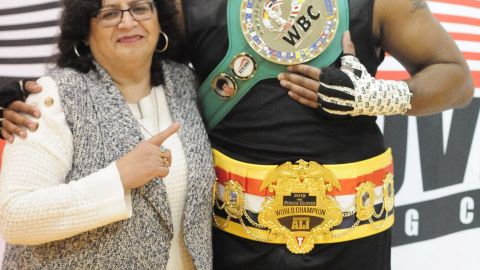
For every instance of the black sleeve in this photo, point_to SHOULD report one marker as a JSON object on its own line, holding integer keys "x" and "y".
{"x": 10, "y": 92}
{"x": 206, "y": 33}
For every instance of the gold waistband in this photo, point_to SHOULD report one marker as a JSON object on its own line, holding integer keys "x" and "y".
{"x": 304, "y": 202}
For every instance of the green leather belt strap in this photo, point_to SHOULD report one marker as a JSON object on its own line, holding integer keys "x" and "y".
{"x": 214, "y": 107}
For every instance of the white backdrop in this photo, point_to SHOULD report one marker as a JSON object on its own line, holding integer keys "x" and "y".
{"x": 436, "y": 158}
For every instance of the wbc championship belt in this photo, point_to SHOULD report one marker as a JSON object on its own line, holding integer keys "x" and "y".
{"x": 264, "y": 37}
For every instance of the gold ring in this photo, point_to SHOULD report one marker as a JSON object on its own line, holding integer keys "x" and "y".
{"x": 165, "y": 162}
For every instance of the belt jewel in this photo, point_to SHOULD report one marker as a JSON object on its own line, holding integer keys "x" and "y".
{"x": 300, "y": 211}
{"x": 234, "y": 199}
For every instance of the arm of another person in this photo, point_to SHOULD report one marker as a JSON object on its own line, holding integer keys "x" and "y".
{"x": 408, "y": 31}
{"x": 12, "y": 96}
{"x": 181, "y": 18}
{"x": 36, "y": 206}
{"x": 440, "y": 78}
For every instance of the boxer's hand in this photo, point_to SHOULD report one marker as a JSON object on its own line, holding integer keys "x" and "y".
{"x": 15, "y": 122}
{"x": 350, "y": 90}
{"x": 303, "y": 81}
{"x": 353, "y": 91}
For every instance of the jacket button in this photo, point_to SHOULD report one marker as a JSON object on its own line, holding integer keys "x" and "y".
{"x": 49, "y": 101}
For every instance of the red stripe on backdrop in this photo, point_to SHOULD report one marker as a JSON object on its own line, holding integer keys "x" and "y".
{"x": 466, "y": 55}
{"x": 465, "y": 37}
{"x": 476, "y": 78}
{"x": 470, "y": 3}
{"x": 471, "y": 55}
{"x": 393, "y": 75}
{"x": 457, "y": 19}
{"x": 401, "y": 75}
{"x": 2, "y": 144}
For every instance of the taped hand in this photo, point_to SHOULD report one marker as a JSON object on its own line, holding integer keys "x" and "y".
{"x": 351, "y": 90}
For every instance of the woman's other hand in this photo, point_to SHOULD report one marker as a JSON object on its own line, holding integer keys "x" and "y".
{"x": 146, "y": 160}
{"x": 15, "y": 122}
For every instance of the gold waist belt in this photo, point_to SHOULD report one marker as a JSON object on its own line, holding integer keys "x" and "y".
{"x": 304, "y": 203}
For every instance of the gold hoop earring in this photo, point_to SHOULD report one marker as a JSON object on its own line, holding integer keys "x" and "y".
{"x": 76, "y": 51}
{"x": 166, "y": 43}
{"x": 83, "y": 49}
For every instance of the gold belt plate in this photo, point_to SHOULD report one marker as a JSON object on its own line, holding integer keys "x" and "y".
{"x": 300, "y": 211}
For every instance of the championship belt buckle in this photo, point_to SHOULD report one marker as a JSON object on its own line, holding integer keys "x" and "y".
{"x": 300, "y": 212}
{"x": 289, "y": 32}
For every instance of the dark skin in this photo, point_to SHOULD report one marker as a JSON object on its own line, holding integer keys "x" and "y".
{"x": 406, "y": 29}
{"x": 440, "y": 79}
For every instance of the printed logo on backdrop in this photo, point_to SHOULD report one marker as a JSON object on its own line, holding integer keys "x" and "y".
{"x": 439, "y": 169}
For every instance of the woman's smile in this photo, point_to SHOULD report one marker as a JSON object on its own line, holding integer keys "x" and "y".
{"x": 130, "y": 39}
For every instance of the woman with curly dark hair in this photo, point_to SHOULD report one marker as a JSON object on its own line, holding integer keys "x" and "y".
{"x": 106, "y": 181}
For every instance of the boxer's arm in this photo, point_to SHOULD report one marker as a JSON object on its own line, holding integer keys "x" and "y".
{"x": 441, "y": 78}
{"x": 12, "y": 98}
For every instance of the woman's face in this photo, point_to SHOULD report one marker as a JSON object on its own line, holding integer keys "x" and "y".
{"x": 127, "y": 40}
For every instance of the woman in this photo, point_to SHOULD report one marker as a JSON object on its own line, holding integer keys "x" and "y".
{"x": 85, "y": 190}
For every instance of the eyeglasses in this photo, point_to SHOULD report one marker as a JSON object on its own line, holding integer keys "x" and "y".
{"x": 139, "y": 12}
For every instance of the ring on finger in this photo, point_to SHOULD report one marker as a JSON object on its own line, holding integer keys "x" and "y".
{"x": 163, "y": 149}
{"x": 165, "y": 162}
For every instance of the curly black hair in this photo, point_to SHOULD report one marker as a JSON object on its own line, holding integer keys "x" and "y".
{"x": 75, "y": 28}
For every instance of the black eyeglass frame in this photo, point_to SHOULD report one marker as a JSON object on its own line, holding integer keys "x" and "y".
{"x": 106, "y": 23}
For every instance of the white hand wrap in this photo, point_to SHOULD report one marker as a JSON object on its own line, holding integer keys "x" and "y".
{"x": 351, "y": 90}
